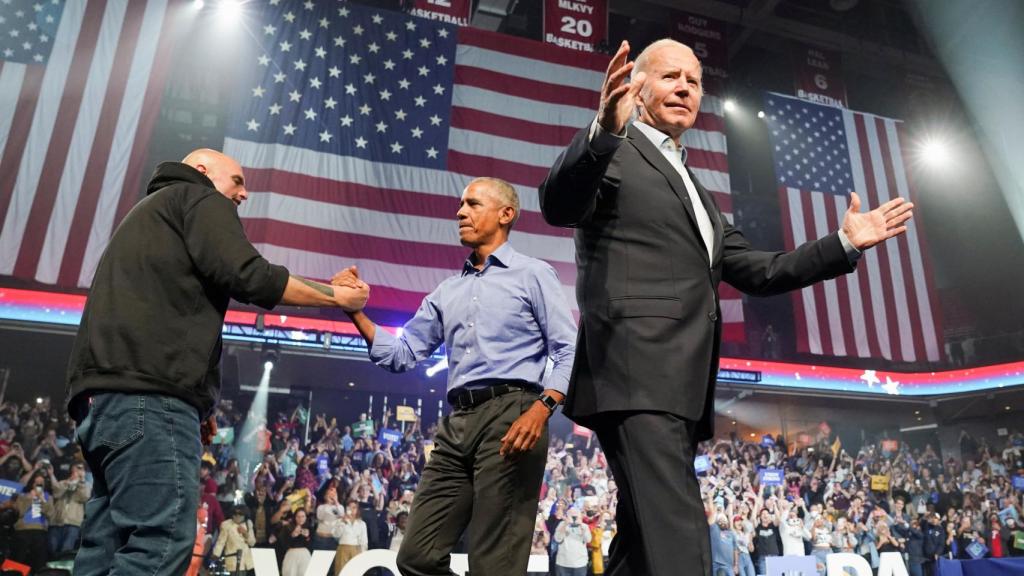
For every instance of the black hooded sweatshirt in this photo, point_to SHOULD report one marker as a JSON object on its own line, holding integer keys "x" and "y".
{"x": 152, "y": 322}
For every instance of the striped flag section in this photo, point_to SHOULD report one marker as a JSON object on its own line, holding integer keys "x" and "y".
{"x": 75, "y": 121}
{"x": 887, "y": 308}
{"x": 342, "y": 181}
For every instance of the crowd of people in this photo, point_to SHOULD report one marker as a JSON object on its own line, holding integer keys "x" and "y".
{"x": 301, "y": 481}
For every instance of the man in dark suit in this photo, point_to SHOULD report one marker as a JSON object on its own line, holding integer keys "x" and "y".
{"x": 652, "y": 247}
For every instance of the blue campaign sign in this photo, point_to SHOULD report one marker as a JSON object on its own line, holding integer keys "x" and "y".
{"x": 1018, "y": 483}
{"x": 322, "y": 464}
{"x": 767, "y": 441}
{"x": 8, "y": 489}
{"x": 701, "y": 464}
{"x": 771, "y": 477}
{"x": 389, "y": 435}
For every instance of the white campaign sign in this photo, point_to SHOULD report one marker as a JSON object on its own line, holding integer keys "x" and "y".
{"x": 889, "y": 564}
{"x": 265, "y": 560}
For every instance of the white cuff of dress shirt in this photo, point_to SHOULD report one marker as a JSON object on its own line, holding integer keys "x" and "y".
{"x": 852, "y": 253}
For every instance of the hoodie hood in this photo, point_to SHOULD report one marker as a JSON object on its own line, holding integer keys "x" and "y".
{"x": 168, "y": 173}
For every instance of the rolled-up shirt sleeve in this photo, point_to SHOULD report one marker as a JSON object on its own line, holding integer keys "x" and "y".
{"x": 551, "y": 309}
{"x": 419, "y": 338}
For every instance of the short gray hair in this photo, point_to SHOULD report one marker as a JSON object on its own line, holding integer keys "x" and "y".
{"x": 504, "y": 191}
{"x": 640, "y": 64}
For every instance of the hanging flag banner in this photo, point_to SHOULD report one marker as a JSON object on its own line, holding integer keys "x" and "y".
{"x": 576, "y": 24}
{"x": 706, "y": 36}
{"x": 450, "y": 11}
{"x": 818, "y": 75}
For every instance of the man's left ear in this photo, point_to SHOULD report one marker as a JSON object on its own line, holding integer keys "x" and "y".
{"x": 508, "y": 214}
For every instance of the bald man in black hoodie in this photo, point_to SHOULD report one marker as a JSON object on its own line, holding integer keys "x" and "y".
{"x": 144, "y": 370}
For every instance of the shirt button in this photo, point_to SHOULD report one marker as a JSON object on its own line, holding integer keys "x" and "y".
{"x": 469, "y": 350}
{"x": 470, "y": 324}
{"x": 474, "y": 298}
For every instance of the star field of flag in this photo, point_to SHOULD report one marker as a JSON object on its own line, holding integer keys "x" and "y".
{"x": 809, "y": 146}
{"x": 349, "y": 80}
{"x": 27, "y": 28}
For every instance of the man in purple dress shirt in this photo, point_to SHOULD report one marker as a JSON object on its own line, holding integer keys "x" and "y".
{"x": 501, "y": 318}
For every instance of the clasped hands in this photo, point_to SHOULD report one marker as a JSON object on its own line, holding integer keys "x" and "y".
{"x": 348, "y": 280}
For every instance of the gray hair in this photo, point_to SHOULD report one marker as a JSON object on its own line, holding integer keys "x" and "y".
{"x": 640, "y": 64}
{"x": 504, "y": 191}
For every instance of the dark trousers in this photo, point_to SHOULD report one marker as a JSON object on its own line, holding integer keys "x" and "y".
{"x": 467, "y": 483}
{"x": 661, "y": 523}
{"x": 143, "y": 450}
{"x": 30, "y": 548}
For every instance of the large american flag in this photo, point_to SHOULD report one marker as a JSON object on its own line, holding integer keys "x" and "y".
{"x": 359, "y": 128}
{"x": 887, "y": 308}
{"x": 80, "y": 88}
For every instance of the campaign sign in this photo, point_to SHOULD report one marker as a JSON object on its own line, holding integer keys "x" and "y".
{"x": 1018, "y": 483}
{"x": 8, "y": 489}
{"x": 701, "y": 464}
{"x": 771, "y": 477}
{"x": 362, "y": 429}
{"x": 389, "y": 435}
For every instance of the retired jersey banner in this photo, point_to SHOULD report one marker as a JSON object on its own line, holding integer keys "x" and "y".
{"x": 449, "y": 11}
{"x": 818, "y": 75}
{"x": 706, "y": 36}
{"x": 576, "y": 24}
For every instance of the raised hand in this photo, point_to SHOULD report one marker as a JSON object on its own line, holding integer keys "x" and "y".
{"x": 866, "y": 229}
{"x": 617, "y": 95}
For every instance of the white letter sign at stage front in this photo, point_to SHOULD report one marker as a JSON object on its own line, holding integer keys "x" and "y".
{"x": 837, "y": 563}
{"x": 265, "y": 560}
{"x": 891, "y": 564}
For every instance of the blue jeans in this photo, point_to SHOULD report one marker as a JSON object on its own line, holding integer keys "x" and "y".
{"x": 63, "y": 539}
{"x": 143, "y": 450}
{"x": 746, "y": 565}
{"x": 563, "y": 571}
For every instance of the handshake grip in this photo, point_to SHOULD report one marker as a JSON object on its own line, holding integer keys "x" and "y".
{"x": 354, "y": 292}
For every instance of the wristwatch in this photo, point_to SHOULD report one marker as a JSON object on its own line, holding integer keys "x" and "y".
{"x": 549, "y": 402}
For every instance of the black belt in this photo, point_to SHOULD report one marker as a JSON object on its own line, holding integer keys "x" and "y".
{"x": 463, "y": 398}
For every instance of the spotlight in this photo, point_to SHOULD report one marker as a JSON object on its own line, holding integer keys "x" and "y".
{"x": 39, "y": 400}
{"x": 729, "y": 106}
{"x": 760, "y": 114}
{"x": 229, "y": 8}
{"x": 935, "y": 151}
{"x": 269, "y": 358}
{"x": 198, "y": 4}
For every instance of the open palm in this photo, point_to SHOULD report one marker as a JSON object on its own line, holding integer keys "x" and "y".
{"x": 866, "y": 229}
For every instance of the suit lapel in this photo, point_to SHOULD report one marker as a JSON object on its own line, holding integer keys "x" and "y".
{"x": 653, "y": 155}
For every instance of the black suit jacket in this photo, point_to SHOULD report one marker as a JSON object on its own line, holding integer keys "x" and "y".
{"x": 648, "y": 294}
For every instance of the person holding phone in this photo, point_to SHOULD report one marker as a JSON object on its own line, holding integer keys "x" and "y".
{"x": 35, "y": 510}
{"x": 573, "y": 537}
